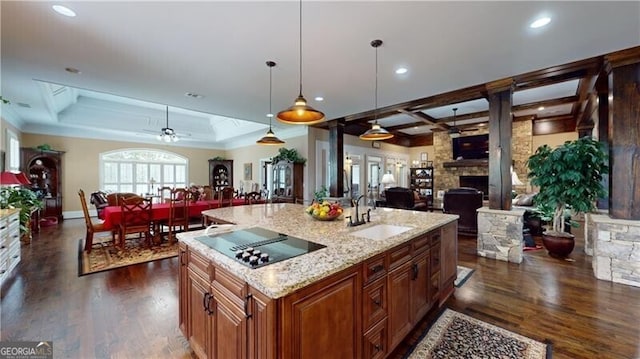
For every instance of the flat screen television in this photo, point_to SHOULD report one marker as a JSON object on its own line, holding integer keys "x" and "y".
{"x": 471, "y": 147}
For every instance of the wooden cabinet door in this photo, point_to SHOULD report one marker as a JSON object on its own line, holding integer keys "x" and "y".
{"x": 448, "y": 260}
{"x": 261, "y": 326}
{"x": 324, "y": 319}
{"x": 374, "y": 341}
{"x": 400, "y": 319}
{"x": 183, "y": 289}
{"x": 229, "y": 330}
{"x": 420, "y": 285}
{"x": 198, "y": 317}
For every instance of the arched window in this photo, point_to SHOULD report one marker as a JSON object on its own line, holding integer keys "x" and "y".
{"x": 142, "y": 170}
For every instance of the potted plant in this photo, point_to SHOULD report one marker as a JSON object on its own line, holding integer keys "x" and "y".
{"x": 290, "y": 155}
{"x": 570, "y": 179}
{"x": 24, "y": 199}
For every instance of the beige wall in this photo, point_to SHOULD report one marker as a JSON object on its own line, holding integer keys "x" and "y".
{"x": 554, "y": 140}
{"x": 81, "y": 160}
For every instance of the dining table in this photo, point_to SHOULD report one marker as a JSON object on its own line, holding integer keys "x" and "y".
{"x": 112, "y": 215}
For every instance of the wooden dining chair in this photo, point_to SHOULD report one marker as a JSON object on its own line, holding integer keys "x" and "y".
{"x": 225, "y": 199}
{"x": 251, "y": 197}
{"x": 179, "y": 202}
{"x": 137, "y": 218}
{"x": 92, "y": 227}
{"x": 164, "y": 194}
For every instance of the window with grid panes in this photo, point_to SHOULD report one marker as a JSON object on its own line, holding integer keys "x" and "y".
{"x": 142, "y": 171}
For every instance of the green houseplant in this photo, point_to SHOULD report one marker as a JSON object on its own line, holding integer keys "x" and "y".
{"x": 570, "y": 178}
{"x": 24, "y": 199}
{"x": 291, "y": 155}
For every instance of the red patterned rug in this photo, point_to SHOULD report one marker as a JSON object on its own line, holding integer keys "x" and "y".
{"x": 104, "y": 256}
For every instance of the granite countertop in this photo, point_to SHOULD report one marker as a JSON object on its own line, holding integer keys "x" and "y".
{"x": 345, "y": 246}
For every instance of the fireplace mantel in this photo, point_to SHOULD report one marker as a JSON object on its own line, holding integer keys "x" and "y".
{"x": 467, "y": 163}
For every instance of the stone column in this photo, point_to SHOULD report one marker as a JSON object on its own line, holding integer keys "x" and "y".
{"x": 616, "y": 249}
{"x": 500, "y": 234}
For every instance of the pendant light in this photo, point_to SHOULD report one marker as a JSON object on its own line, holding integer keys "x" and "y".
{"x": 376, "y": 133}
{"x": 454, "y": 132}
{"x": 270, "y": 138}
{"x": 300, "y": 113}
{"x": 167, "y": 134}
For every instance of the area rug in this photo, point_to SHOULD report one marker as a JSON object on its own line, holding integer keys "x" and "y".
{"x": 456, "y": 335}
{"x": 105, "y": 256}
{"x": 463, "y": 274}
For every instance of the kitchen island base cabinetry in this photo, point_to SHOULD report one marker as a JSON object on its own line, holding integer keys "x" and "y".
{"x": 362, "y": 311}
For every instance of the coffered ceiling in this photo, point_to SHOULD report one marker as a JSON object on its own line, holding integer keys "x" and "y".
{"x": 136, "y": 58}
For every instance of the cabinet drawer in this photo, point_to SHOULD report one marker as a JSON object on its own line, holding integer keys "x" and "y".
{"x": 435, "y": 258}
{"x": 198, "y": 263}
{"x": 374, "y": 303}
{"x": 374, "y": 268}
{"x": 224, "y": 279}
{"x": 399, "y": 255}
{"x": 375, "y": 345}
{"x": 421, "y": 243}
{"x": 435, "y": 238}
{"x": 434, "y": 287}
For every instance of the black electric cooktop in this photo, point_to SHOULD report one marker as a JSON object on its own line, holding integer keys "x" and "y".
{"x": 257, "y": 247}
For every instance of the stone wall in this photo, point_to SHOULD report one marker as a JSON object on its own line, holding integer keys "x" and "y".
{"x": 521, "y": 150}
{"x": 616, "y": 249}
{"x": 500, "y": 234}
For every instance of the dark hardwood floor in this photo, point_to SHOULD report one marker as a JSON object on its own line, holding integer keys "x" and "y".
{"x": 133, "y": 312}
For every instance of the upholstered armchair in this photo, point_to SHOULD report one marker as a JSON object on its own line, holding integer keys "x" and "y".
{"x": 464, "y": 202}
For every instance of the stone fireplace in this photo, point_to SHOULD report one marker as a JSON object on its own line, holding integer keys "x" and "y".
{"x": 481, "y": 183}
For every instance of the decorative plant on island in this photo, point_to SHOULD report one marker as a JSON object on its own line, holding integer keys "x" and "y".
{"x": 570, "y": 178}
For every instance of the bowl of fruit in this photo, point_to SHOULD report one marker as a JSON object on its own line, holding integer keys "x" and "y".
{"x": 324, "y": 211}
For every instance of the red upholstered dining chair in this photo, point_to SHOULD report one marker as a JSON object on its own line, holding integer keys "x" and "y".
{"x": 91, "y": 226}
{"x": 137, "y": 217}
{"x": 179, "y": 202}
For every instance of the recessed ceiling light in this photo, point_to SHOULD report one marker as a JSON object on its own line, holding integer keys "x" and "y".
{"x": 401, "y": 70}
{"x": 540, "y": 108}
{"x": 540, "y": 22}
{"x": 63, "y": 10}
{"x": 72, "y": 70}
{"x": 319, "y": 98}
{"x": 269, "y": 115}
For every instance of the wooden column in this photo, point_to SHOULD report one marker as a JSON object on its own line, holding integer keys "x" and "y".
{"x": 500, "y": 127}
{"x": 602, "y": 90}
{"x": 624, "y": 129}
{"x": 336, "y": 159}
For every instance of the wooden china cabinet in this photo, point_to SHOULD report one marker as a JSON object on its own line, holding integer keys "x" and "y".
{"x": 287, "y": 182}
{"x": 44, "y": 169}
{"x": 220, "y": 174}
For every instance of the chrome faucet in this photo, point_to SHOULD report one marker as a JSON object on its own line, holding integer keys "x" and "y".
{"x": 358, "y": 221}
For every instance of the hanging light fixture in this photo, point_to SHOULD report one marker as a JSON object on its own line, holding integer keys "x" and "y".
{"x": 300, "y": 113}
{"x": 376, "y": 133}
{"x": 270, "y": 138}
{"x": 454, "y": 131}
{"x": 167, "y": 134}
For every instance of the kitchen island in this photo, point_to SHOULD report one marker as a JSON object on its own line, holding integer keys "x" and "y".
{"x": 357, "y": 297}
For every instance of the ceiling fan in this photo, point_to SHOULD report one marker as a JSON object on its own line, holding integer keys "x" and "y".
{"x": 168, "y": 134}
{"x": 454, "y": 131}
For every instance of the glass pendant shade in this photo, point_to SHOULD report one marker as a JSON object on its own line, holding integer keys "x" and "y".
{"x": 300, "y": 113}
{"x": 376, "y": 133}
{"x": 270, "y": 138}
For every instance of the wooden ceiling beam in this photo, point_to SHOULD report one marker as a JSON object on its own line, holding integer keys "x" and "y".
{"x": 421, "y": 116}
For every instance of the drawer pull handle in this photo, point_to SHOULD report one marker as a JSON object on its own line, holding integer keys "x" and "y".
{"x": 376, "y": 302}
{"x": 377, "y": 347}
{"x": 377, "y": 268}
